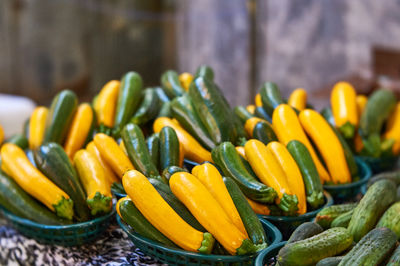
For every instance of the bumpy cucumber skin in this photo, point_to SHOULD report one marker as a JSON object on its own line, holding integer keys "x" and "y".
{"x": 395, "y": 258}
{"x": 327, "y": 215}
{"x": 309, "y": 251}
{"x": 304, "y": 231}
{"x": 153, "y": 145}
{"x": 391, "y": 219}
{"x": 372, "y": 249}
{"x": 342, "y": 220}
{"x": 264, "y": 133}
{"x": 374, "y": 203}
{"x": 331, "y": 261}
{"x": 148, "y": 109}
{"x": 171, "y": 84}
{"x": 169, "y": 148}
{"x": 271, "y": 97}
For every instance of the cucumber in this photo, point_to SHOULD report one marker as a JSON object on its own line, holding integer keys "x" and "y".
{"x": 165, "y": 110}
{"x": 261, "y": 113}
{"x": 342, "y": 220}
{"x": 138, "y": 153}
{"x": 175, "y": 204}
{"x": 54, "y": 163}
{"x": 229, "y": 161}
{"x": 393, "y": 176}
{"x": 183, "y": 111}
{"x": 129, "y": 97}
{"x": 132, "y": 216}
{"x": 391, "y": 219}
{"x": 205, "y": 72}
{"x": 161, "y": 95}
{"x": 372, "y": 249}
{"x": 250, "y": 220}
{"x": 264, "y": 133}
{"x": 325, "y": 217}
{"x": 19, "y": 140}
{"x": 304, "y": 231}
{"x": 169, "y": 171}
{"x": 17, "y": 201}
{"x": 311, "y": 250}
{"x": 331, "y": 261}
{"x": 242, "y": 113}
{"x": 210, "y": 105}
{"x": 169, "y": 148}
{"x": 328, "y": 115}
{"x": 374, "y": 203}
{"x": 312, "y": 183}
{"x": 153, "y": 145}
{"x": 395, "y": 258}
{"x": 148, "y": 109}
{"x": 61, "y": 113}
{"x": 171, "y": 84}
{"x": 271, "y": 97}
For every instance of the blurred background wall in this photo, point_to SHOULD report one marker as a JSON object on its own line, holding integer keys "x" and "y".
{"x": 49, "y": 45}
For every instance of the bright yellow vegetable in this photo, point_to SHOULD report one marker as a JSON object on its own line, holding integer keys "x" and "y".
{"x": 251, "y": 123}
{"x": 185, "y": 79}
{"x": 361, "y": 101}
{"x": 327, "y": 143}
{"x": 251, "y": 108}
{"x": 119, "y": 203}
{"x": 192, "y": 149}
{"x": 160, "y": 214}
{"x": 344, "y": 108}
{"x": 210, "y": 177}
{"x": 206, "y": 209}
{"x": 258, "y": 208}
{"x": 1, "y": 134}
{"x": 79, "y": 130}
{"x": 181, "y": 154}
{"x": 257, "y": 100}
{"x": 106, "y": 103}
{"x": 32, "y": 181}
{"x": 298, "y": 99}
{"x": 393, "y": 129}
{"x": 292, "y": 172}
{"x": 287, "y": 127}
{"x": 37, "y": 126}
{"x": 240, "y": 150}
{"x": 112, "y": 154}
{"x": 123, "y": 148}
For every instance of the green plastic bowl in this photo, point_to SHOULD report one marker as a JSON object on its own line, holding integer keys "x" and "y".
{"x": 175, "y": 256}
{"x": 347, "y": 192}
{"x": 266, "y": 255}
{"x": 62, "y": 235}
{"x": 287, "y": 224}
{"x": 379, "y": 165}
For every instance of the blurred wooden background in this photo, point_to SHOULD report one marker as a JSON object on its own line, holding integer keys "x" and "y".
{"x": 49, "y": 45}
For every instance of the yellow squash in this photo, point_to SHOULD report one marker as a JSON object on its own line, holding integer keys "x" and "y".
{"x": 192, "y": 149}
{"x": 287, "y": 127}
{"x": 206, "y": 209}
{"x": 344, "y": 108}
{"x": 258, "y": 208}
{"x": 210, "y": 177}
{"x": 161, "y": 215}
{"x": 257, "y": 100}
{"x": 112, "y": 154}
{"x": 79, "y": 130}
{"x": 185, "y": 79}
{"x": 240, "y": 150}
{"x": 106, "y": 103}
{"x": 251, "y": 108}
{"x": 119, "y": 203}
{"x": 93, "y": 179}
{"x": 328, "y": 145}
{"x": 298, "y": 99}
{"x": 358, "y": 143}
{"x": 292, "y": 171}
{"x": 181, "y": 154}
{"x": 1, "y": 134}
{"x": 37, "y": 126}
{"x": 251, "y": 123}
{"x": 361, "y": 101}
{"x": 123, "y": 148}
{"x": 32, "y": 181}
{"x": 393, "y": 129}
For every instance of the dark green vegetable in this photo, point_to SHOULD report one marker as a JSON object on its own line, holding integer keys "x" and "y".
{"x": 19, "y": 140}
{"x": 395, "y": 258}
{"x": 242, "y": 113}
{"x": 325, "y": 217}
{"x": 171, "y": 84}
{"x": 331, "y": 261}
{"x": 165, "y": 110}
{"x": 391, "y": 219}
{"x": 342, "y": 220}
{"x": 153, "y": 145}
{"x": 304, "y": 231}
{"x": 148, "y": 109}
{"x": 261, "y": 113}
{"x": 271, "y": 97}
{"x": 264, "y": 133}
{"x": 169, "y": 148}
{"x": 328, "y": 115}
{"x": 161, "y": 95}
{"x": 205, "y": 71}
{"x": 169, "y": 171}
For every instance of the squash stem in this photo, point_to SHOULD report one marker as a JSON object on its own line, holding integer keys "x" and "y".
{"x": 207, "y": 244}
{"x": 247, "y": 247}
{"x": 288, "y": 204}
{"x": 348, "y": 130}
{"x": 99, "y": 204}
{"x": 64, "y": 208}
{"x": 316, "y": 199}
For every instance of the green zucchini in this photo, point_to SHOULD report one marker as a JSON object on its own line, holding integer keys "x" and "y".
{"x": 171, "y": 84}
{"x": 261, "y": 113}
{"x": 205, "y": 71}
{"x": 330, "y": 261}
{"x": 138, "y": 153}
{"x": 374, "y": 203}
{"x": 148, "y": 109}
{"x": 229, "y": 161}
{"x": 325, "y": 217}
{"x": 165, "y": 110}
{"x": 342, "y": 220}
{"x": 161, "y": 95}
{"x": 372, "y": 249}
{"x": 240, "y": 134}
{"x": 311, "y": 250}
{"x": 250, "y": 220}
{"x": 264, "y": 133}
{"x": 395, "y": 258}
{"x": 242, "y": 113}
{"x": 129, "y": 98}
{"x": 61, "y": 113}
{"x": 393, "y": 176}
{"x": 19, "y": 140}
{"x": 328, "y": 115}
{"x": 175, "y": 204}
{"x": 391, "y": 219}
{"x": 304, "y": 231}
{"x": 153, "y": 145}
{"x": 169, "y": 148}
{"x": 271, "y": 97}
{"x": 312, "y": 183}
{"x": 169, "y": 171}
{"x": 18, "y": 202}
{"x": 25, "y": 130}
{"x": 54, "y": 163}
{"x": 132, "y": 216}
{"x": 183, "y": 111}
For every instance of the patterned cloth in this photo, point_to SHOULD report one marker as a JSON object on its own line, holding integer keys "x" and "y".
{"x": 112, "y": 248}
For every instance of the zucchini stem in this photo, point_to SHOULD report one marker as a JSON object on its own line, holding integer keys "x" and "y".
{"x": 99, "y": 204}
{"x": 64, "y": 208}
{"x": 207, "y": 244}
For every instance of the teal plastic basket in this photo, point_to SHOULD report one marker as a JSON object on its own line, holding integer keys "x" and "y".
{"x": 188, "y": 164}
{"x": 175, "y": 256}
{"x": 62, "y": 235}
{"x": 268, "y": 257}
{"x": 347, "y": 192}
{"x": 379, "y": 165}
{"x": 287, "y": 224}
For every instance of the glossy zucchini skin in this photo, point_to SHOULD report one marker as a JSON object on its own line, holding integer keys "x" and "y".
{"x": 391, "y": 219}
{"x": 304, "y": 231}
{"x": 325, "y": 217}
{"x": 17, "y": 201}
{"x": 372, "y": 249}
{"x": 153, "y": 145}
{"x": 328, "y": 115}
{"x": 54, "y": 163}
{"x": 261, "y": 113}
{"x": 205, "y": 71}
{"x": 60, "y": 116}
{"x": 169, "y": 171}
{"x": 271, "y": 97}
{"x": 20, "y": 140}
{"x": 148, "y": 109}
{"x": 264, "y": 133}
{"x": 169, "y": 148}
{"x": 161, "y": 95}
{"x": 171, "y": 84}
{"x": 165, "y": 110}
{"x": 242, "y": 113}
